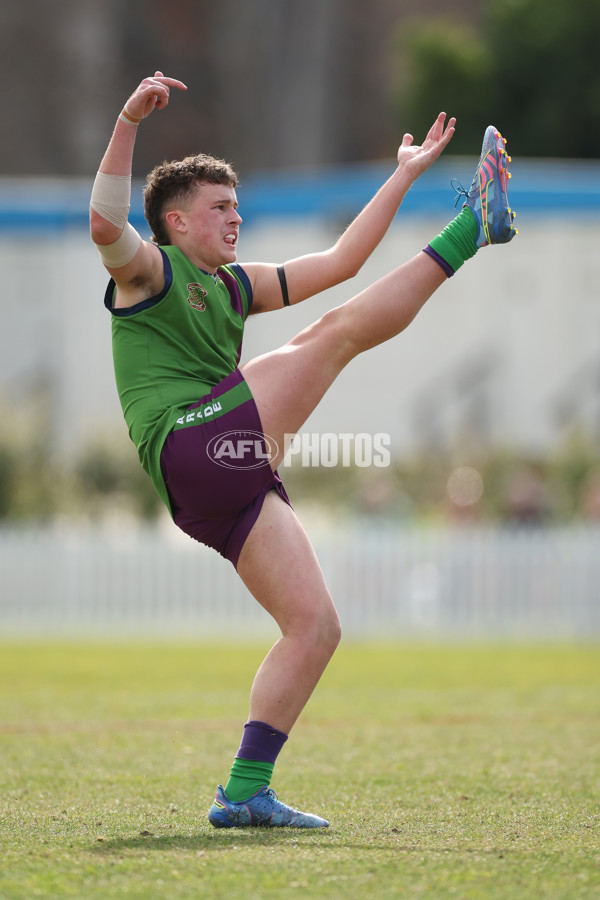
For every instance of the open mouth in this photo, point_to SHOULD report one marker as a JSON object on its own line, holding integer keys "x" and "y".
{"x": 231, "y": 238}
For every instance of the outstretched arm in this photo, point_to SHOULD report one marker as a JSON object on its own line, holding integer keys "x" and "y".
{"x": 310, "y": 274}
{"x": 134, "y": 264}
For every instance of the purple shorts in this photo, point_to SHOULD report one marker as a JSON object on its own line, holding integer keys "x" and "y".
{"x": 216, "y": 468}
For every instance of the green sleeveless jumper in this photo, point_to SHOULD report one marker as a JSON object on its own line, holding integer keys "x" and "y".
{"x": 171, "y": 349}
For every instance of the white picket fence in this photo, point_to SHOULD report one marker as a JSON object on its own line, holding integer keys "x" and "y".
{"x": 390, "y": 582}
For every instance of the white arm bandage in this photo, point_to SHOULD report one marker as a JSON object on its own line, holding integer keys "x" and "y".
{"x": 110, "y": 199}
{"x": 121, "y": 251}
{"x": 111, "y": 196}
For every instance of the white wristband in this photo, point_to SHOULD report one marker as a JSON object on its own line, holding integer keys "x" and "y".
{"x": 111, "y": 196}
{"x": 121, "y": 251}
{"x": 125, "y": 116}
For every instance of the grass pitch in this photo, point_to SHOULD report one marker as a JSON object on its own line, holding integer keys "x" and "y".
{"x": 468, "y": 772}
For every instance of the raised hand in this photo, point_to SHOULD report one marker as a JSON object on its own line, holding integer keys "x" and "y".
{"x": 152, "y": 93}
{"x": 414, "y": 158}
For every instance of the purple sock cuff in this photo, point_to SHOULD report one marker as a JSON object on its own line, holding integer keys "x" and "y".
{"x": 439, "y": 260}
{"x": 261, "y": 742}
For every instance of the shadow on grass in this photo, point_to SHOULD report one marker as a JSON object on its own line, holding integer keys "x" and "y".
{"x": 219, "y": 840}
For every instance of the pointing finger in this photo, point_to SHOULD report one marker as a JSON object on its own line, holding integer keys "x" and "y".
{"x": 170, "y": 82}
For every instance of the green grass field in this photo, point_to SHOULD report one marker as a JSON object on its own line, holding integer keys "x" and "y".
{"x": 468, "y": 772}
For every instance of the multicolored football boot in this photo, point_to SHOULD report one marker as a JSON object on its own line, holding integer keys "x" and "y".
{"x": 487, "y": 198}
{"x": 263, "y": 808}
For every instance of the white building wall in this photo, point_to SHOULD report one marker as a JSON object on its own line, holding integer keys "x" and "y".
{"x": 508, "y": 350}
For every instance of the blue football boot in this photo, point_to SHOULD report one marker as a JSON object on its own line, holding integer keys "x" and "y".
{"x": 263, "y": 808}
{"x": 487, "y": 198}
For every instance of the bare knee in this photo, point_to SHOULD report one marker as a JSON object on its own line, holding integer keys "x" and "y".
{"x": 345, "y": 331}
{"x": 334, "y": 333}
{"x": 320, "y": 628}
{"x": 331, "y": 632}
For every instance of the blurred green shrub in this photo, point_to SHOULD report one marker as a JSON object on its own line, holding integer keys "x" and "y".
{"x": 527, "y": 66}
{"x": 105, "y": 480}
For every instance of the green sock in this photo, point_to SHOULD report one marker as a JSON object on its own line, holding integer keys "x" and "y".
{"x": 247, "y": 776}
{"x": 456, "y": 244}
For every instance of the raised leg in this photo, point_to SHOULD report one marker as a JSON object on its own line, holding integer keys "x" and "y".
{"x": 288, "y": 383}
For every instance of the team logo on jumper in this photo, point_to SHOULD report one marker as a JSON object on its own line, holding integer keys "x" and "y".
{"x": 242, "y": 449}
{"x": 196, "y": 296}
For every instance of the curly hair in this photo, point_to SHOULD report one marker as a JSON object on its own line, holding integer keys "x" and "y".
{"x": 172, "y": 183}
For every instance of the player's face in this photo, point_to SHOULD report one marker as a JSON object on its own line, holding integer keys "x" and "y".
{"x": 213, "y": 224}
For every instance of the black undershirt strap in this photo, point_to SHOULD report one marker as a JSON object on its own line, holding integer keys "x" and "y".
{"x": 283, "y": 283}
